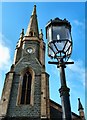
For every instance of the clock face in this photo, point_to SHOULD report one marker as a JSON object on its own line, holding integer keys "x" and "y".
{"x": 30, "y": 50}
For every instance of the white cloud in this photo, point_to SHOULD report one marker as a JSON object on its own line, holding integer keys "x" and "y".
{"x": 5, "y": 59}
{"x": 79, "y": 23}
{"x": 78, "y": 69}
{"x": 74, "y": 72}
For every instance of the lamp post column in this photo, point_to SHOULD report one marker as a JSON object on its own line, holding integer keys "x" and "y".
{"x": 64, "y": 94}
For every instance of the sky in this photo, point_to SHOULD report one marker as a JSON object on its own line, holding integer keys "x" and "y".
{"x": 16, "y": 15}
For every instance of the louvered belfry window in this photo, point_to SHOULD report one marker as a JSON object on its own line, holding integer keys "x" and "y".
{"x": 26, "y": 88}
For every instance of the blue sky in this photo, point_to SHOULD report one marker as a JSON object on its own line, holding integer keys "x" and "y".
{"x": 16, "y": 16}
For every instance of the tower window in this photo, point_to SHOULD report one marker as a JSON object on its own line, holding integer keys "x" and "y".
{"x": 26, "y": 89}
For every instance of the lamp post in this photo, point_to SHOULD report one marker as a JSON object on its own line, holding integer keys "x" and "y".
{"x": 58, "y": 33}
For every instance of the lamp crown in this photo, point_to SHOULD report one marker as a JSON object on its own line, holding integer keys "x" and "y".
{"x": 57, "y": 21}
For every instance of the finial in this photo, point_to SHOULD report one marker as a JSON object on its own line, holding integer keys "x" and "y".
{"x": 34, "y": 5}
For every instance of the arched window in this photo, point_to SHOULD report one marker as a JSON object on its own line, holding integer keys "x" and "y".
{"x": 26, "y": 88}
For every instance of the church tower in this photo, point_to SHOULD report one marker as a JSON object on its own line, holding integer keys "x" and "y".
{"x": 25, "y": 93}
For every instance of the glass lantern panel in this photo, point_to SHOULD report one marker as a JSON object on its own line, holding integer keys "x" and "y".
{"x": 67, "y": 53}
{"x": 67, "y": 46}
{"x": 51, "y": 53}
{"x": 53, "y": 48}
{"x": 60, "y": 45}
{"x": 61, "y": 33}
{"x": 70, "y": 50}
{"x": 49, "y": 34}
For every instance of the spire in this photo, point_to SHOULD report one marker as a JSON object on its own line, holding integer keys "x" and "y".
{"x": 32, "y": 29}
{"x": 81, "y": 110}
{"x": 80, "y": 107}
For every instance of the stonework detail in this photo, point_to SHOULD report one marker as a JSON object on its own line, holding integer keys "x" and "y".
{"x": 45, "y": 113}
{"x": 4, "y": 103}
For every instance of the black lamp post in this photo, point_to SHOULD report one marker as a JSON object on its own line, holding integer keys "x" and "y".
{"x": 58, "y": 33}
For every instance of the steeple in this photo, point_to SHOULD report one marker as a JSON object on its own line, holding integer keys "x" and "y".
{"x": 81, "y": 109}
{"x": 32, "y": 29}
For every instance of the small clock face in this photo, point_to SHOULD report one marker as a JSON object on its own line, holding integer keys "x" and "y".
{"x": 30, "y": 50}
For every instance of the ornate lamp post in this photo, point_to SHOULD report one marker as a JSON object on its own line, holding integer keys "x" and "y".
{"x": 58, "y": 33}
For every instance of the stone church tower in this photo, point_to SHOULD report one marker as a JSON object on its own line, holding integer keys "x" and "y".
{"x": 25, "y": 94}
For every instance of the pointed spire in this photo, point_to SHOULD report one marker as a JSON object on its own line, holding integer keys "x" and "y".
{"x": 80, "y": 107}
{"x": 32, "y": 29}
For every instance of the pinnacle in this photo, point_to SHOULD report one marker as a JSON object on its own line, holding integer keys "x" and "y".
{"x": 80, "y": 107}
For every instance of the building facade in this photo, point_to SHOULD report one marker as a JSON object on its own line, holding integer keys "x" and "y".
{"x": 25, "y": 93}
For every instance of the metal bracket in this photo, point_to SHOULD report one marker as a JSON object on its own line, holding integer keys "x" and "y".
{"x": 60, "y": 63}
